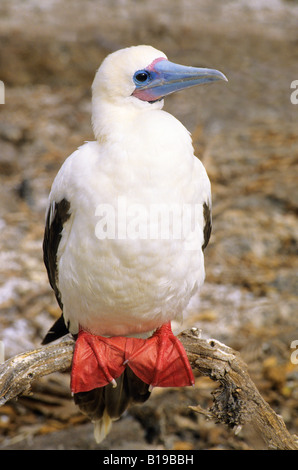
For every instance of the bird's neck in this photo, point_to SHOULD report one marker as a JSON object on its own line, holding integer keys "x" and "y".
{"x": 148, "y": 134}
{"x": 110, "y": 121}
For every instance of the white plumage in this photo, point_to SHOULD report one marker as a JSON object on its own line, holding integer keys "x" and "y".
{"x": 142, "y": 153}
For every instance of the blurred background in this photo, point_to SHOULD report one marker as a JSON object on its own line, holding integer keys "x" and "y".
{"x": 246, "y": 134}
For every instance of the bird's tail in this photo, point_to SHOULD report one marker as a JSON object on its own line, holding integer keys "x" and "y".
{"x": 106, "y": 404}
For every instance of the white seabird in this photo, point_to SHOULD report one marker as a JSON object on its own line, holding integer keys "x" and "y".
{"x": 128, "y": 218}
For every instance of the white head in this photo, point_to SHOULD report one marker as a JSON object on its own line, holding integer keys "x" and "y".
{"x": 140, "y": 77}
{"x": 114, "y": 80}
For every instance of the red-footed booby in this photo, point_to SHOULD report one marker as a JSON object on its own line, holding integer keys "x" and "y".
{"x": 128, "y": 218}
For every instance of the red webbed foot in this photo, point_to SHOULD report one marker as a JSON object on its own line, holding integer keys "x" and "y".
{"x": 97, "y": 361}
{"x": 162, "y": 360}
{"x": 159, "y": 360}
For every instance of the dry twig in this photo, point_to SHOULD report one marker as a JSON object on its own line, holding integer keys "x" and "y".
{"x": 236, "y": 401}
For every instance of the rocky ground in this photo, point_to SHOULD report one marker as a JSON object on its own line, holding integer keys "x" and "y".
{"x": 246, "y": 134}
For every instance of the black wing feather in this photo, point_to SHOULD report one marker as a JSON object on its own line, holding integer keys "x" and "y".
{"x": 208, "y": 224}
{"x": 57, "y": 215}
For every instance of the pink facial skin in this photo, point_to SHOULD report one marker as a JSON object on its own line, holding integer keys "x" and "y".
{"x": 147, "y": 94}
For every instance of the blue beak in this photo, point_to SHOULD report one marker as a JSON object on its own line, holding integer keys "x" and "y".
{"x": 164, "y": 77}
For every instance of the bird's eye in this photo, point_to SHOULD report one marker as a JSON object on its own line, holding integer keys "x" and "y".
{"x": 141, "y": 77}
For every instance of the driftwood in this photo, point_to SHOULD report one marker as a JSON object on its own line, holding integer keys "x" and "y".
{"x": 235, "y": 402}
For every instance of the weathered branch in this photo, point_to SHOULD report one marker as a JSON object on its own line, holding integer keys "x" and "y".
{"x": 18, "y": 373}
{"x": 236, "y": 401}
